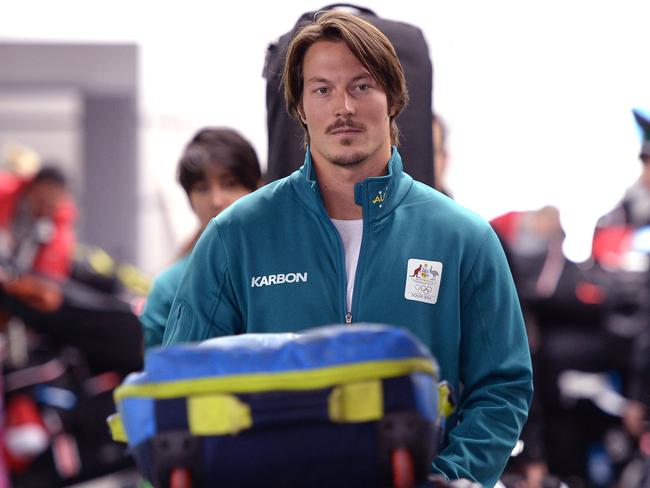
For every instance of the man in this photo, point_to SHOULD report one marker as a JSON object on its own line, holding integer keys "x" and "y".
{"x": 340, "y": 240}
{"x": 217, "y": 167}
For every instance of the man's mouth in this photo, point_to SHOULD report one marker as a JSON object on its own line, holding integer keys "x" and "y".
{"x": 342, "y": 128}
{"x": 345, "y": 130}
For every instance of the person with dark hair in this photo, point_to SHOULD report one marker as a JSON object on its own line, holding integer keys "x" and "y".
{"x": 37, "y": 218}
{"x": 634, "y": 209}
{"x": 351, "y": 238}
{"x": 217, "y": 167}
{"x": 620, "y": 249}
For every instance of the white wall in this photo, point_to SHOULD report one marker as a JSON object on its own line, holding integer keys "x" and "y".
{"x": 537, "y": 94}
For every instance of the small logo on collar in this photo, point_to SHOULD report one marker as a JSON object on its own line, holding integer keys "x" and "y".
{"x": 379, "y": 198}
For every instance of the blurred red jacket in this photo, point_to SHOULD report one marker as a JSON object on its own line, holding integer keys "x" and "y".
{"x": 53, "y": 258}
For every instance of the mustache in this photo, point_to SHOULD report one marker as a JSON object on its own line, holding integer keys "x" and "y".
{"x": 348, "y": 123}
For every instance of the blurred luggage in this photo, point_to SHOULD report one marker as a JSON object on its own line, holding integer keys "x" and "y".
{"x": 65, "y": 347}
{"x": 54, "y": 431}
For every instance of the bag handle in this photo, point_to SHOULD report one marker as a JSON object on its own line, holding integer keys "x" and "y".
{"x": 363, "y": 10}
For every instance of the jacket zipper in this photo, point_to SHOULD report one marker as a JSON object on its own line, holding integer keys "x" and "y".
{"x": 347, "y": 317}
{"x": 364, "y": 216}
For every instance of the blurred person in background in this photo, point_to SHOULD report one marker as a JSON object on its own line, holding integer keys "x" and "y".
{"x": 620, "y": 238}
{"x": 532, "y": 241}
{"x": 57, "y": 334}
{"x": 580, "y": 321}
{"x": 217, "y": 167}
{"x": 351, "y": 238}
{"x": 37, "y": 216}
{"x": 440, "y": 154}
{"x": 37, "y": 242}
{"x": 634, "y": 208}
{"x": 620, "y": 247}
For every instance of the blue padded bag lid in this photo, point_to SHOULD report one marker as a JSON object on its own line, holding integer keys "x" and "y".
{"x": 277, "y": 352}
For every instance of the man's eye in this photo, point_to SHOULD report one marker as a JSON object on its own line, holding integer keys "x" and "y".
{"x": 322, "y": 90}
{"x": 200, "y": 187}
{"x": 363, "y": 87}
{"x": 229, "y": 183}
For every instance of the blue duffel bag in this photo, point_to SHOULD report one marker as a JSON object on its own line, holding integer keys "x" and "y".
{"x": 340, "y": 406}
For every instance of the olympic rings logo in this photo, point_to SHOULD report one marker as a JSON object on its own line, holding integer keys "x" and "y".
{"x": 423, "y": 288}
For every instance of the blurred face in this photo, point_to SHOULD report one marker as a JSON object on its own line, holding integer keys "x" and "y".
{"x": 345, "y": 109}
{"x": 209, "y": 197}
{"x": 44, "y": 198}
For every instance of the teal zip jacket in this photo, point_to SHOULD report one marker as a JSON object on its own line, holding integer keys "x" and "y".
{"x": 159, "y": 302}
{"x": 274, "y": 262}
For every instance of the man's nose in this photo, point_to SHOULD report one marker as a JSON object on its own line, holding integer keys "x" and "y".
{"x": 218, "y": 199}
{"x": 344, "y": 105}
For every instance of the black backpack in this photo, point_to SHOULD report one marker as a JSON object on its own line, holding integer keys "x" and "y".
{"x": 285, "y": 135}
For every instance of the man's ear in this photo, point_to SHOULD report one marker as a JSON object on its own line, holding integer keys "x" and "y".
{"x": 301, "y": 113}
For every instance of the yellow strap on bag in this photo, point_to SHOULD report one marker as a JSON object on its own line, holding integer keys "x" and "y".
{"x": 218, "y": 414}
{"x": 118, "y": 433}
{"x": 206, "y": 415}
{"x": 357, "y": 402}
{"x": 284, "y": 380}
{"x": 446, "y": 400}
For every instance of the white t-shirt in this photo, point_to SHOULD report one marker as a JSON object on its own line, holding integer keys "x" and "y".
{"x": 351, "y": 232}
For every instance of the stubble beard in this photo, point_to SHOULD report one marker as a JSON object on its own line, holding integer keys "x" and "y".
{"x": 348, "y": 160}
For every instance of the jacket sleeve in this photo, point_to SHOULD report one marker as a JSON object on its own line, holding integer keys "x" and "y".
{"x": 495, "y": 371}
{"x": 157, "y": 307}
{"x": 205, "y": 305}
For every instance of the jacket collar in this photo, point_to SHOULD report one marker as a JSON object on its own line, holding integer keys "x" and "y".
{"x": 378, "y": 196}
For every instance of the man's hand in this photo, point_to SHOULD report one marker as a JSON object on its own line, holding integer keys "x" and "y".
{"x": 37, "y": 293}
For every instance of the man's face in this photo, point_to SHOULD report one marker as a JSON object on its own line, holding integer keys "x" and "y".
{"x": 346, "y": 111}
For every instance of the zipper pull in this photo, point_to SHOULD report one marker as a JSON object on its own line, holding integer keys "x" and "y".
{"x": 348, "y": 318}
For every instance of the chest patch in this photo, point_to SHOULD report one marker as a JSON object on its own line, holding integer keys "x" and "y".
{"x": 423, "y": 280}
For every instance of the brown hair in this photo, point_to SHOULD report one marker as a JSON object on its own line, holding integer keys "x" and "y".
{"x": 367, "y": 43}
